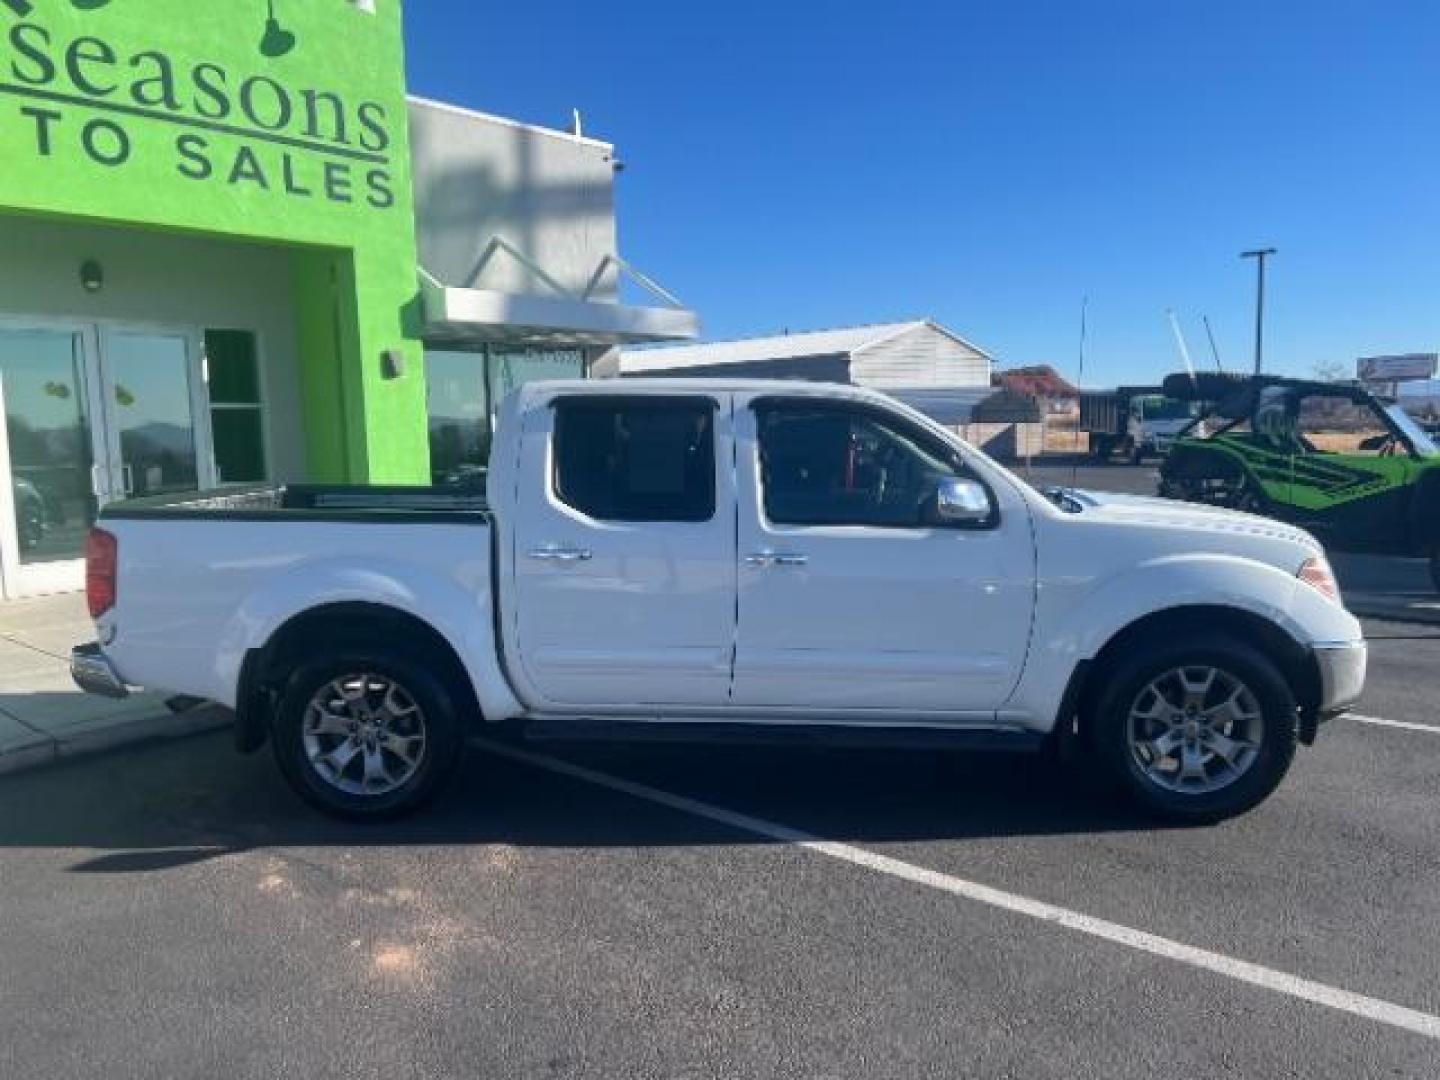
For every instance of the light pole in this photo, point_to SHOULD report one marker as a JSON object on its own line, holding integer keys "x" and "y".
{"x": 1259, "y": 255}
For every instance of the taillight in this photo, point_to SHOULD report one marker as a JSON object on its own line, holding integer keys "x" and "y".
{"x": 102, "y": 553}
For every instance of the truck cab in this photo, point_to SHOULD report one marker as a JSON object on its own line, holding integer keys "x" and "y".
{"x": 1135, "y": 421}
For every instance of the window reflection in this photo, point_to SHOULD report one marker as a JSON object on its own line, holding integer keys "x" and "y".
{"x": 464, "y": 389}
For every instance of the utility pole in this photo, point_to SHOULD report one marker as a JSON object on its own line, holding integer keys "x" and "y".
{"x": 1259, "y": 255}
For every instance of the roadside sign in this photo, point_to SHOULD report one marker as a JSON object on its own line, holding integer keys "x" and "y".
{"x": 1399, "y": 368}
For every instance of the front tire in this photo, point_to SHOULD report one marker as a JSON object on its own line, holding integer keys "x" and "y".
{"x": 367, "y": 734}
{"x": 1195, "y": 731}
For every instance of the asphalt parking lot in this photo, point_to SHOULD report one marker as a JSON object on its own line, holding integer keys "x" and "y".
{"x": 173, "y": 911}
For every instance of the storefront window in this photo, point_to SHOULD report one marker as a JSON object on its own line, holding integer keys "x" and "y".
{"x": 459, "y": 406}
{"x": 149, "y": 403}
{"x": 47, "y": 428}
{"x": 514, "y": 368}
{"x": 465, "y": 387}
{"x": 236, "y": 411}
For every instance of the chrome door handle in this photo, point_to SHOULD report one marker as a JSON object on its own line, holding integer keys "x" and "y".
{"x": 776, "y": 558}
{"x": 559, "y": 554}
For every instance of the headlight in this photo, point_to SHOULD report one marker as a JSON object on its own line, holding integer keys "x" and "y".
{"x": 1317, "y": 574}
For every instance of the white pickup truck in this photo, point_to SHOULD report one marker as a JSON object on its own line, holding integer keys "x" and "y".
{"x": 728, "y": 560}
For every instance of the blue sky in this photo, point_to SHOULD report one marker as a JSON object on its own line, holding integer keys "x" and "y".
{"x": 806, "y": 164}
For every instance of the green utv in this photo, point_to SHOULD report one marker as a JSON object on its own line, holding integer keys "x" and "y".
{"x": 1356, "y": 471}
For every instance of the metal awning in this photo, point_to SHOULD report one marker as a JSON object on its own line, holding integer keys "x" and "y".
{"x": 561, "y": 320}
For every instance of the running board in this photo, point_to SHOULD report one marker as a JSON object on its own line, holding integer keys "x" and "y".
{"x": 851, "y": 736}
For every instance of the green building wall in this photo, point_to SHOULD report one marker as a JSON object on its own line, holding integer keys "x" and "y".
{"x": 205, "y": 118}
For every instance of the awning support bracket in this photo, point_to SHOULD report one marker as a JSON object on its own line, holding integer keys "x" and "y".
{"x": 646, "y": 282}
{"x": 499, "y": 243}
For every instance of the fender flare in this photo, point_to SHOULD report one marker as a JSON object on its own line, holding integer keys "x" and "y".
{"x": 1072, "y": 637}
{"x": 461, "y": 614}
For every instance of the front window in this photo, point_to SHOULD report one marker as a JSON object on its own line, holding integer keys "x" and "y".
{"x": 826, "y": 466}
{"x": 1163, "y": 408}
{"x": 1422, "y": 442}
{"x": 1332, "y": 424}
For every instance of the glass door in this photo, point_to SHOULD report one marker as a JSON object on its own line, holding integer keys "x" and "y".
{"x": 90, "y": 415}
{"x": 50, "y": 484}
{"x": 154, "y": 408}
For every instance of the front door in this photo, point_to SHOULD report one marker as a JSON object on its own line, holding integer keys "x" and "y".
{"x": 852, "y": 596}
{"x": 88, "y": 415}
{"x": 624, "y": 568}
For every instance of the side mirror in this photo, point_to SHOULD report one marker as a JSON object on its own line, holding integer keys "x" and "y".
{"x": 964, "y": 503}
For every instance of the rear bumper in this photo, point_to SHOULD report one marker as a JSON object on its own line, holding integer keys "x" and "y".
{"x": 93, "y": 672}
{"x": 1342, "y": 675}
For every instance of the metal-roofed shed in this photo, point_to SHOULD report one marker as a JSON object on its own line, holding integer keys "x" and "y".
{"x": 929, "y": 367}
{"x": 913, "y": 354}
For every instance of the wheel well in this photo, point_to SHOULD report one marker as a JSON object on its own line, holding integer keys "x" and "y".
{"x": 263, "y": 674}
{"x": 1294, "y": 661}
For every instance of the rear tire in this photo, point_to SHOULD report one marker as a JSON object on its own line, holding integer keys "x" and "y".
{"x": 366, "y": 733}
{"x": 1225, "y": 748}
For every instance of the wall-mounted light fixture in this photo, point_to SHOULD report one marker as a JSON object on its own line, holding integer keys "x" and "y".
{"x": 92, "y": 276}
{"x": 276, "y": 41}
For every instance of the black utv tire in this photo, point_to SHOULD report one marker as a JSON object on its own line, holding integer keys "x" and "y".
{"x": 1108, "y": 726}
{"x": 419, "y": 682}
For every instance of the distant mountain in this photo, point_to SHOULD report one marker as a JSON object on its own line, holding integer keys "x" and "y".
{"x": 171, "y": 438}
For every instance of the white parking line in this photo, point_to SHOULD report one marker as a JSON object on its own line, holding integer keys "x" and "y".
{"x": 1407, "y": 725}
{"x": 1383, "y": 1012}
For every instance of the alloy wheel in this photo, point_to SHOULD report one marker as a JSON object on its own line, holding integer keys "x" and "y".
{"x": 1195, "y": 729}
{"x": 364, "y": 734}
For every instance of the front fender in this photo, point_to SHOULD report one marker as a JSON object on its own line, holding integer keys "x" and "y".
{"x": 1076, "y": 618}
{"x": 462, "y": 614}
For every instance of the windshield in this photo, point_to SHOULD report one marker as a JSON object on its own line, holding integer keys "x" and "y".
{"x": 1160, "y": 408}
{"x": 1424, "y": 445}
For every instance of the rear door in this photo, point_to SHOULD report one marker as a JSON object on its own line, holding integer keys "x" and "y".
{"x": 624, "y": 550}
{"x": 851, "y": 597}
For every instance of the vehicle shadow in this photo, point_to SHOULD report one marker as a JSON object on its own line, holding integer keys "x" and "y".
{"x": 169, "y": 805}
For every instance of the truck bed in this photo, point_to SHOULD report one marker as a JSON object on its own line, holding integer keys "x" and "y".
{"x": 196, "y": 570}
{"x": 310, "y": 502}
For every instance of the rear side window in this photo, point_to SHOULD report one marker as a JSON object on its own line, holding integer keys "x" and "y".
{"x": 636, "y": 459}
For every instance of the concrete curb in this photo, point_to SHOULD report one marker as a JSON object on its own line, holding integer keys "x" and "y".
{"x": 143, "y": 729}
